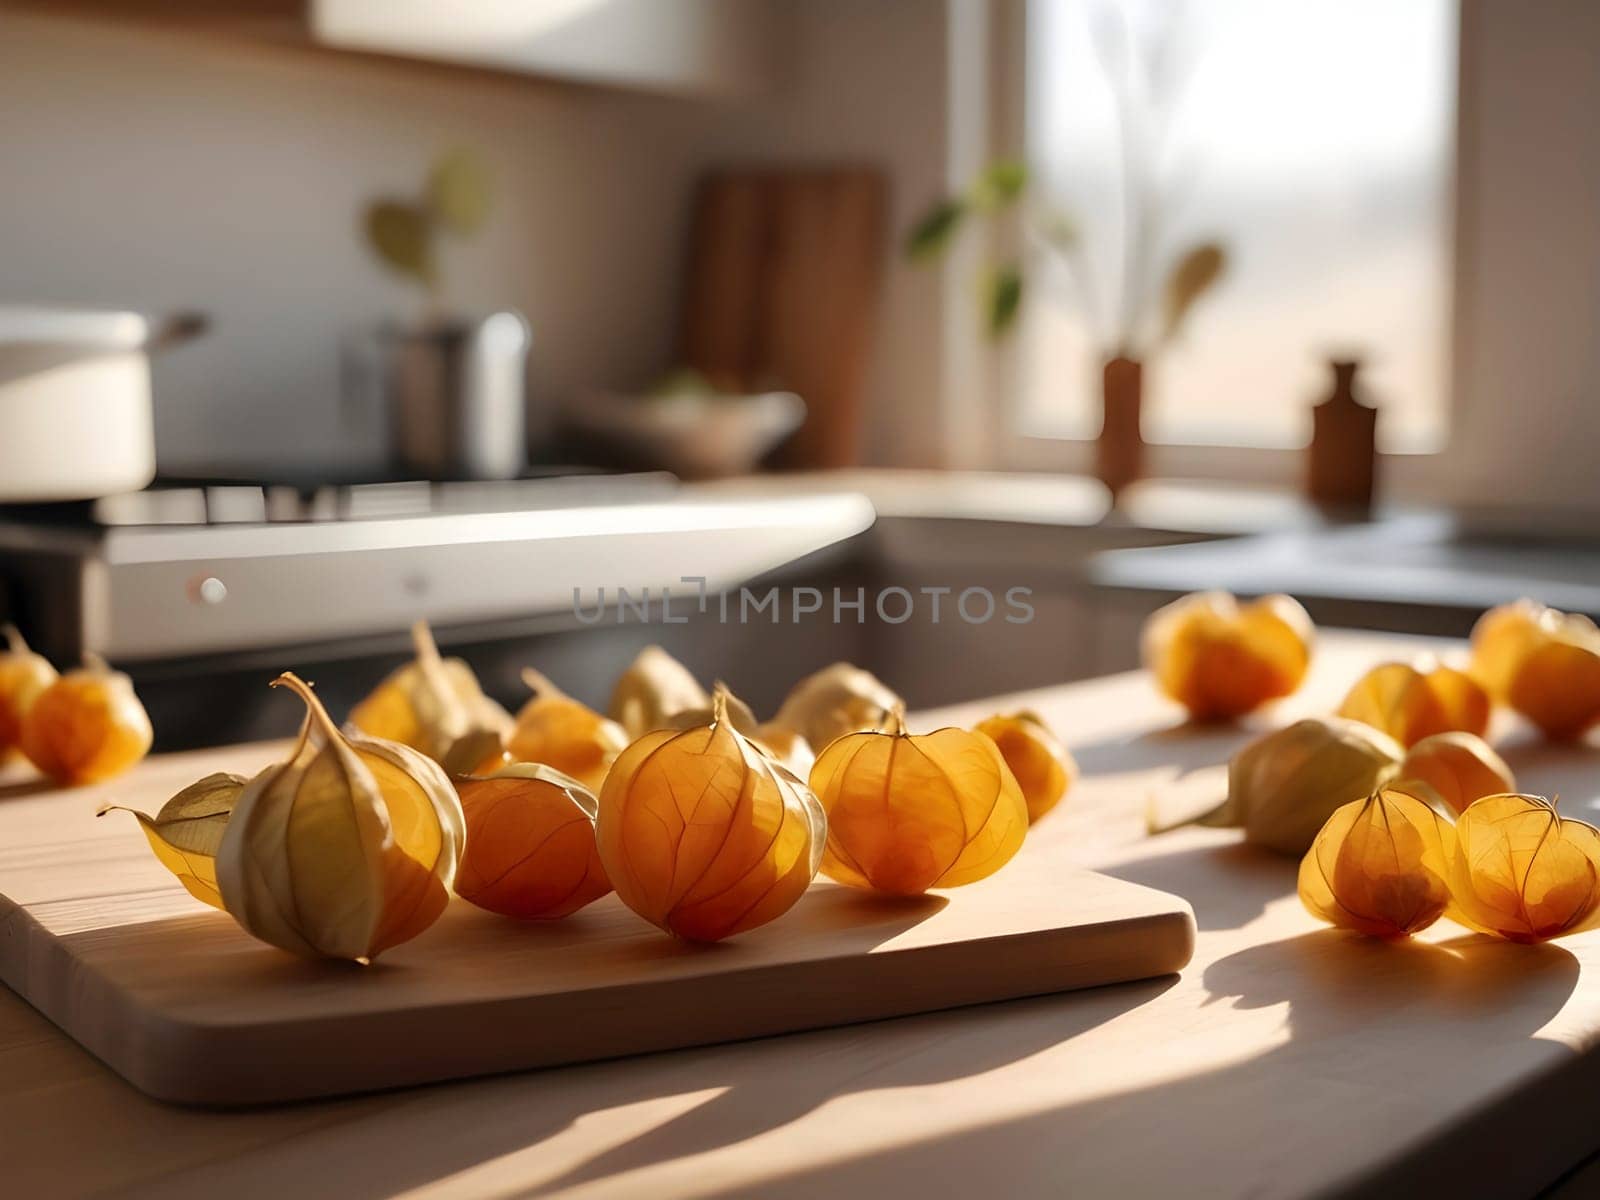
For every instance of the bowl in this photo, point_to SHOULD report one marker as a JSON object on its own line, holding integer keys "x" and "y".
{"x": 702, "y": 435}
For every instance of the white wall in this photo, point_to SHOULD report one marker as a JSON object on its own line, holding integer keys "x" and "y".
{"x": 1527, "y": 335}
{"x": 157, "y": 170}
{"x": 870, "y": 83}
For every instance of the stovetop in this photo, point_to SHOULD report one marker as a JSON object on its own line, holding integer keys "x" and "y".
{"x": 212, "y": 502}
{"x": 198, "y": 568}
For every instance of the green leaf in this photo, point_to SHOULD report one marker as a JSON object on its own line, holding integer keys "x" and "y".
{"x": 460, "y": 192}
{"x": 402, "y": 237}
{"x": 1058, "y": 229}
{"x": 998, "y": 185}
{"x": 1193, "y": 275}
{"x": 1002, "y": 299}
{"x": 931, "y": 235}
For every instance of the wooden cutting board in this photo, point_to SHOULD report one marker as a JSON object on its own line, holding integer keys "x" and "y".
{"x": 785, "y": 268}
{"x": 177, "y": 999}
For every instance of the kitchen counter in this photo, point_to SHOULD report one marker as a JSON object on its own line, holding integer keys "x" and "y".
{"x": 1416, "y": 572}
{"x": 1287, "y": 1060}
{"x": 1015, "y": 498}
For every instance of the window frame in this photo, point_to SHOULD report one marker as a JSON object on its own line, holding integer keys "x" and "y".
{"x": 989, "y": 373}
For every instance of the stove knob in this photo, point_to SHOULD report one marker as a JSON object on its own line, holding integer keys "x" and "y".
{"x": 207, "y": 589}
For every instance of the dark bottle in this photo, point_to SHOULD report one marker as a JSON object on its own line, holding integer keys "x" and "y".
{"x": 1342, "y": 460}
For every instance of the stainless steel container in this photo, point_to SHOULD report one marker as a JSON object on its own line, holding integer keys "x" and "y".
{"x": 452, "y": 393}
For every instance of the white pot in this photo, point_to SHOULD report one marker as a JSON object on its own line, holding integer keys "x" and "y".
{"x": 75, "y": 416}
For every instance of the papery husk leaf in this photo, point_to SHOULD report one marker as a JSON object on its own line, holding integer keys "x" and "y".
{"x": 653, "y": 688}
{"x": 186, "y": 832}
{"x": 704, "y": 833}
{"x": 911, "y": 812}
{"x": 531, "y": 851}
{"x": 1458, "y": 767}
{"x": 834, "y": 701}
{"x": 787, "y": 746}
{"x": 1502, "y": 639}
{"x": 431, "y": 704}
{"x": 1557, "y": 687}
{"x": 740, "y": 716}
{"x": 428, "y": 835}
{"x": 1039, "y": 762}
{"x": 1379, "y": 866}
{"x": 1414, "y": 701}
{"x": 1521, "y": 871}
{"x": 473, "y": 753}
{"x": 1543, "y": 663}
{"x": 1221, "y": 659}
{"x": 87, "y": 726}
{"x": 345, "y": 849}
{"x": 1284, "y": 785}
{"x": 554, "y": 729}
{"x": 24, "y": 676}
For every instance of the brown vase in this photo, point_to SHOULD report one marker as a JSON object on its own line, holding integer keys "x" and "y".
{"x": 1342, "y": 461}
{"x": 1119, "y": 454}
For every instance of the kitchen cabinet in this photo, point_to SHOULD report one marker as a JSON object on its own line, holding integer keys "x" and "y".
{"x": 706, "y": 47}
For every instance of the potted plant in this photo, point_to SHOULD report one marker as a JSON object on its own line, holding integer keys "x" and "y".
{"x": 451, "y": 385}
{"x": 1151, "y": 305}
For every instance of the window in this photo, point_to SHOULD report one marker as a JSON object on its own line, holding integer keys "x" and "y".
{"x": 1315, "y": 140}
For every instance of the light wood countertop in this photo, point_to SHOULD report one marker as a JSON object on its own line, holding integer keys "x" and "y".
{"x": 1287, "y": 1060}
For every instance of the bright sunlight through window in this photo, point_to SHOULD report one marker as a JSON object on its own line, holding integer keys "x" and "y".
{"x": 1314, "y": 140}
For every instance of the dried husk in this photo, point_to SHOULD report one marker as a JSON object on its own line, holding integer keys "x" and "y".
{"x": 87, "y": 726}
{"x": 344, "y": 850}
{"x": 24, "y": 676}
{"x": 834, "y": 701}
{"x": 1502, "y": 639}
{"x": 1221, "y": 659}
{"x": 1284, "y": 785}
{"x": 1521, "y": 871}
{"x": 706, "y": 835}
{"x": 1458, "y": 767}
{"x": 187, "y": 831}
{"x": 788, "y": 747}
{"x": 909, "y": 812}
{"x": 531, "y": 851}
{"x": 554, "y": 729}
{"x": 783, "y": 743}
{"x": 654, "y": 688}
{"x": 1380, "y": 866}
{"x": 1043, "y": 768}
{"x": 1410, "y": 702}
{"x": 1543, "y": 663}
{"x": 431, "y": 704}
{"x": 740, "y": 716}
